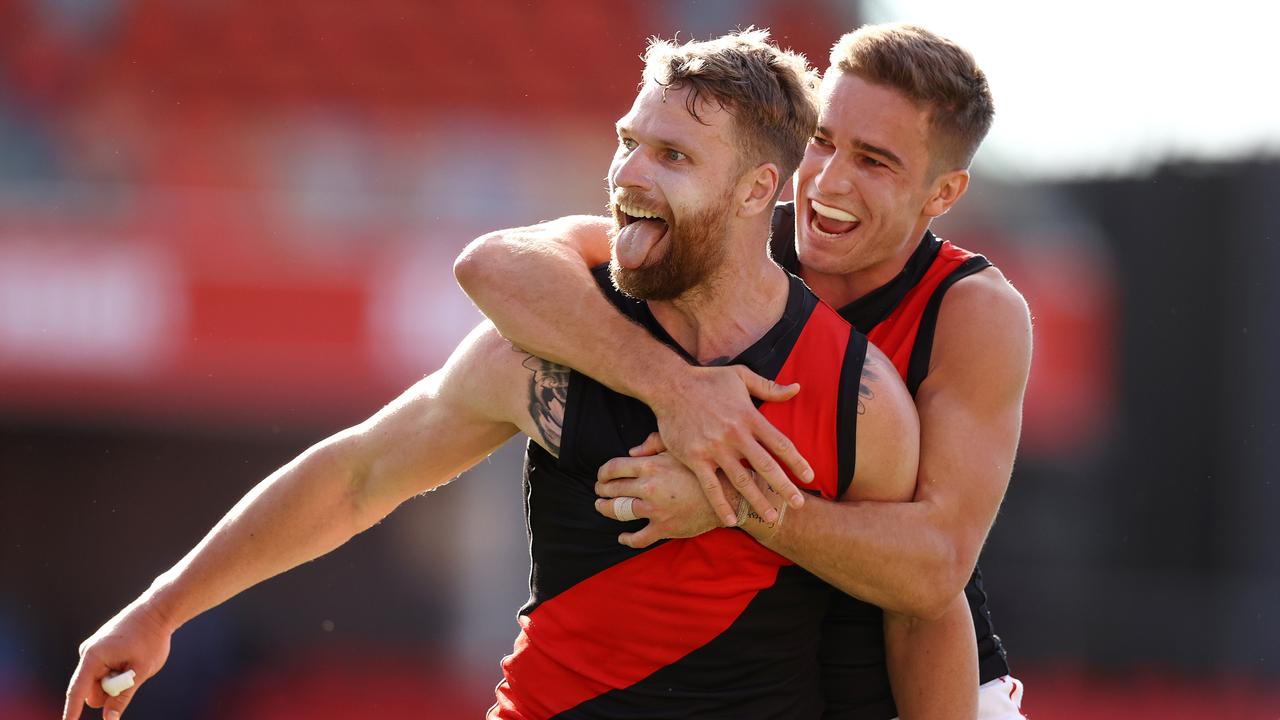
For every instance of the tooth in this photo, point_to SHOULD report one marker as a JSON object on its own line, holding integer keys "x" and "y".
{"x": 833, "y": 213}
{"x": 637, "y": 212}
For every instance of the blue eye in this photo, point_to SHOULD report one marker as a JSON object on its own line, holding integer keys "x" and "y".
{"x": 674, "y": 155}
{"x": 627, "y": 143}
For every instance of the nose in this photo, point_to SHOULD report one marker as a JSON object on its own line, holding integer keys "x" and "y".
{"x": 630, "y": 169}
{"x": 833, "y": 176}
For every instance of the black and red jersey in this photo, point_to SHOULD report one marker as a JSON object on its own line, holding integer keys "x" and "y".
{"x": 899, "y": 318}
{"x": 715, "y": 626}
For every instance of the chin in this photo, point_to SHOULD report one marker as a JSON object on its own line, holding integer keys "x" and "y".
{"x": 826, "y": 259}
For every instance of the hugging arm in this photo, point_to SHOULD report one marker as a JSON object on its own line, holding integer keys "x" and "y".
{"x": 536, "y": 286}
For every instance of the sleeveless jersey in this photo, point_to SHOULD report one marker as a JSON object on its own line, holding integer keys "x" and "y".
{"x": 715, "y": 626}
{"x": 899, "y": 318}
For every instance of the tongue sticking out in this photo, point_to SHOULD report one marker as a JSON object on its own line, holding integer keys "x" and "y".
{"x": 832, "y": 226}
{"x": 637, "y": 241}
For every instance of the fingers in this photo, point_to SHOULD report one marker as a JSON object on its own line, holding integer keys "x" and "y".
{"x": 621, "y": 487}
{"x": 744, "y": 481}
{"x": 79, "y": 693}
{"x": 640, "y": 539}
{"x": 608, "y": 508}
{"x": 768, "y": 469}
{"x": 709, "y": 480}
{"x": 782, "y": 448}
{"x": 652, "y": 445}
{"x": 115, "y": 706}
{"x": 621, "y": 467}
{"x": 764, "y": 389}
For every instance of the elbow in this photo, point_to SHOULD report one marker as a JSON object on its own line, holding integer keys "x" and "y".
{"x": 478, "y": 260}
{"x": 340, "y": 467}
{"x": 931, "y": 606}
{"x": 943, "y": 577}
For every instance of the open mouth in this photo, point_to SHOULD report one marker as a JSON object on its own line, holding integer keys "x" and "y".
{"x": 627, "y": 213}
{"x": 642, "y": 235}
{"x": 831, "y": 222}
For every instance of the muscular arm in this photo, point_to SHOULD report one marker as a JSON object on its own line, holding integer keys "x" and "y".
{"x": 336, "y": 489}
{"x": 933, "y": 664}
{"x": 535, "y": 284}
{"x": 914, "y": 558}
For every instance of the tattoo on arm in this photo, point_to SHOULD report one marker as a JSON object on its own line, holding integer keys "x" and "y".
{"x": 548, "y": 390}
{"x": 869, "y": 376}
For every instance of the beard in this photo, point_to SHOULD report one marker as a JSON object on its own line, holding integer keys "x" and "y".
{"x": 695, "y": 250}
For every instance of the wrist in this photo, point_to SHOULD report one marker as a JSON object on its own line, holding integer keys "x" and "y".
{"x": 161, "y": 604}
{"x": 661, "y": 379}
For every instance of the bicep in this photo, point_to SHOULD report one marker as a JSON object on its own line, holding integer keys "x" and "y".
{"x": 444, "y": 424}
{"x": 971, "y": 405}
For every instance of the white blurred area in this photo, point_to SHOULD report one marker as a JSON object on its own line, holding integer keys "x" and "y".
{"x": 1114, "y": 87}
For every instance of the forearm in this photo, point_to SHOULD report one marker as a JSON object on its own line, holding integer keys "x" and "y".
{"x": 892, "y": 555}
{"x": 300, "y": 512}
{"x": 541, "y": 296}
{"x": 933, "y": 664}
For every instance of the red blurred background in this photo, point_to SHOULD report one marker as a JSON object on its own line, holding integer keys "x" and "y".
{"x": 226, "y": 231}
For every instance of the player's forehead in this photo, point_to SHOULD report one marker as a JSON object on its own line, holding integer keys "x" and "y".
{"x": 854, "y": 110}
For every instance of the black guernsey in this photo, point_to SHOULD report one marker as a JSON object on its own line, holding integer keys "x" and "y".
{"x": 715, "y": 626}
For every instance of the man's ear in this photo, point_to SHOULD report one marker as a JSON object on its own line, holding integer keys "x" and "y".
{"x": 948, "y": 188}
{"x": 757, "y": 189}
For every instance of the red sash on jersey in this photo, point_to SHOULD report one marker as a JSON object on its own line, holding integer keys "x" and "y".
{"x": 621, "y": 625}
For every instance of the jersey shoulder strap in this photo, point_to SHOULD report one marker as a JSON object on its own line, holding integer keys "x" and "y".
{"x": 905, "y": 334}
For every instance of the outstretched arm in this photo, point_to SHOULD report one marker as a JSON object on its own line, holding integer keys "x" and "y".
{"x": 336, "y": 489}
{"x": 536, "y": 286}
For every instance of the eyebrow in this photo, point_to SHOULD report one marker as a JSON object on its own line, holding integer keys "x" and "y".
{"x": 868, "y": 147}
{"x": 656, "y": 141}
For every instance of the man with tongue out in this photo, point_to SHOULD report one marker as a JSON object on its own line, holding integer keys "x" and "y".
{"x": 902, "y": 112}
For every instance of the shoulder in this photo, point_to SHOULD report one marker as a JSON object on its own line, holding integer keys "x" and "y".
{"x": 990, "y": 291}
{"x": 490, "y": 377}
{"x": 983, "y": 332}
{"x": 889, "y": 408}
{"x": 888, "y": 442}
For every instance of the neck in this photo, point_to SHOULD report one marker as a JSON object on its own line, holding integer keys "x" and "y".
{"x": 715, "y": 321}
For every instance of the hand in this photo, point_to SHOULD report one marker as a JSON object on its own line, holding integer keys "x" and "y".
{"x": 666, "y": 493}
{"x": 710, "y": 424}
{"x": 134, "y": 639}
